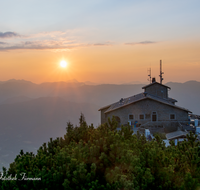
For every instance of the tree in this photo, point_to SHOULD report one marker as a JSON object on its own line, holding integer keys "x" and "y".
{"x": 103, "y": 158}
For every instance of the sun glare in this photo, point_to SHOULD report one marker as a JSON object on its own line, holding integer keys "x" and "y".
{"x": 63, "y": 64}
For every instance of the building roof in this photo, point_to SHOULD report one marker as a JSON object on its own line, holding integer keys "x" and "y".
{"x": 139, "y": 97}
{"x": 176, "y": 134}
{"x": 172, "y": 99}
{"x": 155, "y": 83}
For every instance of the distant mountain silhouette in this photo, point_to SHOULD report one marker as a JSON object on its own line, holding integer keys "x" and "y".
{"x": 76, "y": 92}
{"x": 186, "y": 93}
{"x": 90, "y": 83}
{"x": 16, "y": 99}
{"x": 133, "y": 82}
{"x": 32, "y": 113}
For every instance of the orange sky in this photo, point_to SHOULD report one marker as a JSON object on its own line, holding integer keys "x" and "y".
{"x": 104, "y": 41}
{"x": 116, "y": 63}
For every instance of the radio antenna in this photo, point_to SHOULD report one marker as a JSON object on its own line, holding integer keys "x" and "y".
{"x": 149, "y": 75}
{"x": 161, "y": 73}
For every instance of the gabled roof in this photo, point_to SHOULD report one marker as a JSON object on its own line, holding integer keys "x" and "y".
{"x": 137, "y": 98}
{"x": 154, "y": 84}
{"x": 104, "y": 107}
{"x": 126, "y": 101}
{"x": 172, "y": 99}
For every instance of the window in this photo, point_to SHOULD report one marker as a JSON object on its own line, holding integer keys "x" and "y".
{"x": 154, "y": 116}
{"x": 130, "y": 117}
{"x": 172, "y": 116}
{"x": 147, "y": 116}
{"x": 141, "y": 116}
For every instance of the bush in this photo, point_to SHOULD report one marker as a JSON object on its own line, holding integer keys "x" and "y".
{"x": 101, "y": 158}
{"x": 161, "y": 135}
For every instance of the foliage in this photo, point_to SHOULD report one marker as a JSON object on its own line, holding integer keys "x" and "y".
{"x": 103, "y": 158}
{"x": 161, "y": 135}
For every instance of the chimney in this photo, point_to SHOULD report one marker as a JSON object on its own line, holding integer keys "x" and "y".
{"x": 121, "y": 101}
{"x": 153, "y": 79}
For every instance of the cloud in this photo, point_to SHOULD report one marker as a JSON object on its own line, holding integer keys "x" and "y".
{"x": 55, "y": 45}
{"x": 53, "y": 34}
{"x": 140, "y": 43}
{"x": 8, "y": 34}
{"x": 103, "y": 44}
{"x": 99, "y": 44}
{"x": 42, "y": 45}
{"x": 2, "y": 43}
{"x": 56, "y": 41}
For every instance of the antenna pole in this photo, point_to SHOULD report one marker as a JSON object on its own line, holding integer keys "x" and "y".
{"x": 161, "y": 73}
{"x": 149, "y": 75}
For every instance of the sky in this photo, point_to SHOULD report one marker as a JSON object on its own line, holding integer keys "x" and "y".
{"x": 102, "y": 41}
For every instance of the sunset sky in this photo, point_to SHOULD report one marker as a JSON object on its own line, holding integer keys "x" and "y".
{"x": 103, "y": 41}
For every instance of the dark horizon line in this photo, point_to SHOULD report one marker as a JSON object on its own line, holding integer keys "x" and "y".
{"x": 92, "y": 83}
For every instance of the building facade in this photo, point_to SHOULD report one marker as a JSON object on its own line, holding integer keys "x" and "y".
{"x": 150, "y": 108}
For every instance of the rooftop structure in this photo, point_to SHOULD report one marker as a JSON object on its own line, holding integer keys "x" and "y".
{"x": 151, "y": 107}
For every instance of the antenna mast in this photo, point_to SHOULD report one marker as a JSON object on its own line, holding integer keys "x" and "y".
{"x": 161, "y": 79}
{"x": 149, "y": 75}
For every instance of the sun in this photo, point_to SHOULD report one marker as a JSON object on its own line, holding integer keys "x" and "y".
{"x": 63, "y": 63}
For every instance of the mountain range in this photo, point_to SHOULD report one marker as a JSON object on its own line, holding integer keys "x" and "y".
{"x": 32, "y": 113}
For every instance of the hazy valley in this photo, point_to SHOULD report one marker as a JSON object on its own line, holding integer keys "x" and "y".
{"x": 32, "y": 113}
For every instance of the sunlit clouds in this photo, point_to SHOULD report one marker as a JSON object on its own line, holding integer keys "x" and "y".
{"x": 41, "y": 41}
{"x": 103, "y": 41}
{"x": 140, "y": 43}
{"x": 56, "y": 41}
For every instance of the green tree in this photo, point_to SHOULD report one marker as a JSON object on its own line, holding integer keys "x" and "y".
{"x": 103, "y": 158}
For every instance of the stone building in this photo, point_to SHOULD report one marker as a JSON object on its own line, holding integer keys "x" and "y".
{"x": 151, "y": 109}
